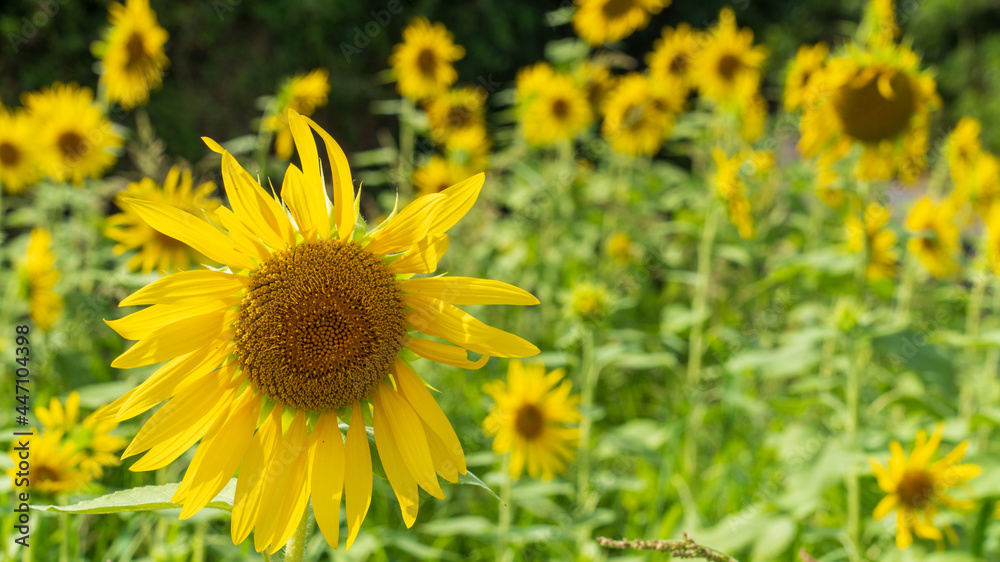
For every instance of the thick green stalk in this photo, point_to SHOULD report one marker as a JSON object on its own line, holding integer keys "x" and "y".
{"x": 860, "y": 352}
{"x": 699, "y": 305}
{"x": 295, "y": 550}
{"x": 504, "y": 552}
{"x": 588, "y": 374}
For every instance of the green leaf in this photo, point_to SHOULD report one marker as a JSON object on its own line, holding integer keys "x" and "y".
{"x": 146, "y": 498}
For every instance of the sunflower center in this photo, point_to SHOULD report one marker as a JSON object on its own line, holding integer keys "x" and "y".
{"x": 529, "y": 421}
{"x": 9, "y": 154}
{"x": 459, "y": 116}
{"x": 71, "y": 145}
{"x": 136, "y": 52}
{"x": 560, "y": 108}
{"x": 915, "y": 488}
{"x": 47, "y": 474}
{"x": 427, "y": 62}
{"x": 614, "y": 9}
{"x": 319, "y": 325}
{"x": 868, "y": 115}
{"x": 679, "y": 64}
{"x": 729, "y": 66}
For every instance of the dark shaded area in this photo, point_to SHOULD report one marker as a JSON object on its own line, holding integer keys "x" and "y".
{"x": 226, "y": 53}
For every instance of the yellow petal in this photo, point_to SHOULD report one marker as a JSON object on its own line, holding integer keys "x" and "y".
{"x": 173, "y": 340}
{"x": 358, "y": 477}
{"x": 887, "y": 504}
{"x": 444, "y": 353}
{"x": 243, "y": 237}
{"x": 285, "y": 489}
{"x": 468, "y": 290}
{"x": 309, "y": 203}
{"x": 402, "y": 482}
{"x": 250, "y": 203}
{"x": 423, "y": 257}
{"x": 407, "y": 228}
{"x": 416, "y": 394}
{"x": 181, "y": 422}
{"x": 246, "y": 502}
{"x": 343, "y": 185}
{"x": 140, "y": 324}
{"x": 410, "y": 439}
{"x": 218, "y": 456}
{"x": 195, "y": 232}
{"x": 438, "y": 318}
{"x": 176, "y": 375}
{"x": 460, "y": 198}
{"x": 328, "y": 476}
{"x": 188, "y": 287}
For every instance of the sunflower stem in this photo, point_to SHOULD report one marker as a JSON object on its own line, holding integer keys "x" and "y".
{"x": 504, "y": 553}
{"x": 198, "y": 544}
{"x": 406, "y": 142}
{"x": 851, "y": 426}
{"x": 64, "y": 532}
{"x": 979, "y": 531}
{"x": 295, "y": 550}
{"x": 589, "y": 381}
{"x": 699, "y": 303}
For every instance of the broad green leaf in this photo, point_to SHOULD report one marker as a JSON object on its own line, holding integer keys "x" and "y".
{"x": 146, "y": 498}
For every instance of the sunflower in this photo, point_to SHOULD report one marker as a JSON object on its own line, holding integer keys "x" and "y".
{"x": 600, "y": 21}
{"x": 975, "y": 172}
{"x": 437, "y": 175}
{"x": 19, "y": 167}
{"x": 530, "y": 419}
{"x": 453, "y": 114}
{"x": 639, "y": 114}
{"x": 620, "y": 248}
{"x": 306, "y": 325}
{"x": 875, "y": 240}
{"x": 92, "y": 436}
{"x": 44, "y": 304}
{"x": 422, "y": 63}
{"x": 732, "y": 188}
{"x": 881, "y": 28}
{"x": 303, "y": 93}
{"x": 877, "y": 99}
{"x": 557, "y": 113}
{"x": 935, "y": 237}
{"x": 916, "y": 486}
{"x": 589, "y": 301}
{"x": 156, "y": 250}
{"x": 800, "y": 87}
{"x": 673, "y": 54}
{"x": 55, "y": 465}
{"x": 596, "y": 80}
{"x": 728, "y": 65}
{"x": 132, "y": 54}
{"x": 76, "y": 140}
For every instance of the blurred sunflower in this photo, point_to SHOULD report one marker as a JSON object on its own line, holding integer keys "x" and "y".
{"x": 876, "y": 241}
{"x": 975, "y": 172}
{"x": 637, "y": 116}
{"x": 800, "y": 87}
{"x": 92, "y": 436}
{"x": 732, "y": 188}
{"x": 132, "y": 56}
{"x": 55, "y": 465}
{"x": 307, "y": 324}
{"x": 935, "y": 237}
{"x": 530, "y": 419}
{"x": 156, "y": 250}
{"x": 454, "y": 114}
{"x": 590, "y": 302}
{"x": 673, "y": 54}
{"x": 876, "y": 99}
{"x": 422, "y": 63}
{"x": 557, "y": 113}
{"x": 40, "y": 275}
{"x": 916, "y": 486}
{"x": 620, "y": 248}
{"x": 19, "y": 167}
{"x": 728, "y": 66}
{"x": 596, "y": 80}
{"x": 67, "y": 454}
{"x": 879, "y": 26}
{"x": 303, "y": 93}
{"x": 76, "y": 140}
{"x": 436, "y": 175}
{"x": 600, "y": 21}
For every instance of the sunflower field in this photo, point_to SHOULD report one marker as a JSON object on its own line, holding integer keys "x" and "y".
{"x": 410, "y": 280}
